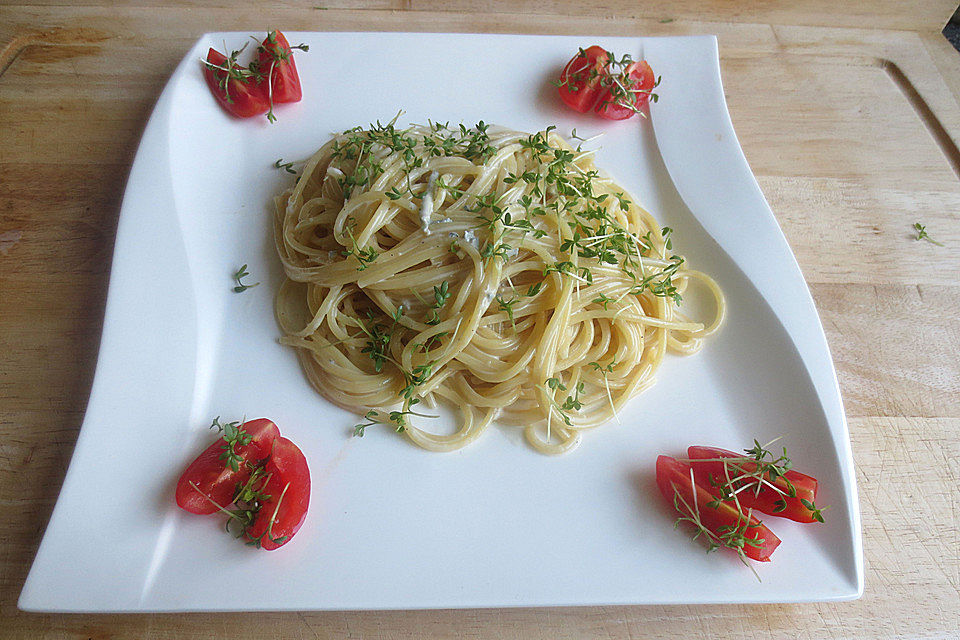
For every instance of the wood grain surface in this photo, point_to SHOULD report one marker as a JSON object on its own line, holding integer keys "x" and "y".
{"x": 848, "y": 116}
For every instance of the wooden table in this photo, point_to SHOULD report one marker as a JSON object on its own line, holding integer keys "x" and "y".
{"x": 849, "y": 116}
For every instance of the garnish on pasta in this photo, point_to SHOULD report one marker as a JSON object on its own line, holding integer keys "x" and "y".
{"x": 495, "y": 272}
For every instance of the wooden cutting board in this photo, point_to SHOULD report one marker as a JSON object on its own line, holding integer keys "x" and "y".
{"x": 849, "y": 116}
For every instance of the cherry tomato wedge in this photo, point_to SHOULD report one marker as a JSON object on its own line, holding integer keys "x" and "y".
{"x": 235, "y": 89}
{"x": 210, "y": 483}
{"x": 275, "y": 57}
{"x": 720, "y": 521}
{"x": 580, "y": 80}
{"x": 288, "y": 485}
{"x": 627, "y": 93}
{"x": 708, "y": 467}
{"x": 596, "y": 80}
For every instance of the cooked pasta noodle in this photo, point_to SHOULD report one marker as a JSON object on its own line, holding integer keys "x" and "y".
{"x": 494, "y": 272}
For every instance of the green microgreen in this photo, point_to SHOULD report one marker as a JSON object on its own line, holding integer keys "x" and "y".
{"x": 379, "y": 336}
{"x": 507, "y": 307}
{"x": 416, "y": 378}
{"x": 237, "y": 276}
{"x": 666, "y": 232}
{"x": 604, "y": 370}
{"x": 233, "y": 435}
{"x": 396, "y": 418}
{"x": 286, "y": 166}
{"x": 441, "y": 293}
{"x": 364, "y": 255}
{"x": 815, "y": 512}
{"x": 268, "y": 532}
{"x": 923, "y": 235}
{"x": 429, "y": 343}
{"x": 554, "y": 383}
{"x": 571, "y": 403}
{"x": 604, "y": 299}
{"x": 252, "y": 490}
{"x": 371, "y": 419}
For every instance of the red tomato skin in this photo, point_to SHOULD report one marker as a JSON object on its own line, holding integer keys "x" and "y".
{"x": 643, "y": 74}
{"x": 577, "y": 73}
{"x": 671, "y": 474}
{"x": 805, "y": 485}
{"x": 284, "y": 77}
{"x": 218, "y": 483}
{"x": 247, "y": 98}
{"x": 288, "y": 469}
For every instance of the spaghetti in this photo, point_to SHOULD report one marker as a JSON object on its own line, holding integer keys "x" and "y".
{"x": 492, "y": 271}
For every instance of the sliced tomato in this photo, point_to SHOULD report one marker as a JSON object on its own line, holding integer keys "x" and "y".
{"x": 275, "y": 57}
{"x": 708, "y": 466}
{"x": 693, "y": 500}
{"x": 580, "y": 85}
{"x": 235, "y": 88}
{"x": 627, "y": 92}
{"x": 288, "y": 485}
{"x": 210, "y": 483}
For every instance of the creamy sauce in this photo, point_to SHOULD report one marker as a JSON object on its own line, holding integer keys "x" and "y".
{"x": 426, "y": 203}
{"x": 471, "y": 236}
{"x": 489, "y": 294}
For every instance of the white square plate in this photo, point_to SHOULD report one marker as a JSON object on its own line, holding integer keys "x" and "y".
{"x": 391, "y": 526}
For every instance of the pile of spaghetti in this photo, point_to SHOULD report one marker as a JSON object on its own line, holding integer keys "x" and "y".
{"x": 495, "y": 272}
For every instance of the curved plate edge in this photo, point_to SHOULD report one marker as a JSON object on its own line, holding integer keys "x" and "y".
{"x": 120, "y": 333}
{"x": 690, "y": 119}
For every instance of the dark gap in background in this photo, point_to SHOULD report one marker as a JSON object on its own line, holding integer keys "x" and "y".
{"x": 952, "y": 30}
